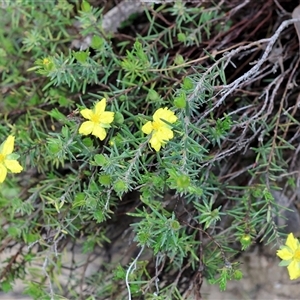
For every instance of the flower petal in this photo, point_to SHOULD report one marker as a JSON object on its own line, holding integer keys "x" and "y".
{"x": 147, "y": 128}
{"x": 165, "y": 114}
{"x": 158, "y": 115}
{"x": 169, "y": 116}
{"x": 165, "y": 133}
{"x": 107, "y": 117}
{"x": 172, "y": 118}
{"x": 87, "y": 113}
{"x": 292, "y": 243}
{"x": 3, "y": 173}
{"x": 86, "y": 128}
{"x": 155, "y": 143}
{"x": 99, "y": 132}
{"x": 13, "y": 165}
{"x": 8, "y": 145}
{"x": 100, "y": 107}
{"x": 294, "y": 270}
{"x": 285, "y": 253}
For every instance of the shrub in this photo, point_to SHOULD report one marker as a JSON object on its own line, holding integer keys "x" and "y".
{"x": 138, "y": 143}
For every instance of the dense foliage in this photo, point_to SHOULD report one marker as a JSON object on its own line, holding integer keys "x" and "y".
{"x": 149, "y": 155}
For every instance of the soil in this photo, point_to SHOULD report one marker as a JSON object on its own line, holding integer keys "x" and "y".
{"x": 263, "y": 279}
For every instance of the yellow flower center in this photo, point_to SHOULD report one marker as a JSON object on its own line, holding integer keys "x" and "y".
{"x": 46, "y": 61}
{"x": 2, "y": 158}
{"x": 246, "y": 237}
{"x": 297, "y": 255}
{"x": 156, "y": 125}
{"x": 95, "y": 118}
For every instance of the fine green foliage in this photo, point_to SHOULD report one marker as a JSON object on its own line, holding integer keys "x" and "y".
{"x": 183, "y": 208}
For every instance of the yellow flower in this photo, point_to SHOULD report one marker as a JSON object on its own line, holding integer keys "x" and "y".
{"x": 99, "y": 120}
{"x": 161, "y": 131}
{"x": 46, "y": 61}
{"x": 7, "y": 158}
{"x": 290, "y": 254}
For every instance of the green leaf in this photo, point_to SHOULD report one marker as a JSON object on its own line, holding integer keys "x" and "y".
{"x": 153, "y": 95}
{"x": 284, "y": 263}
{"x": 56, "y": 114}
{"x": 85, "y": 6}
{"x": 79, "y": 200}
{"x": 237, "y": 275}
{"x": 181, "y": 37}
{"x": 180, "y": 102}
{"x": 105, "y": 180}
{"x": 81, "y": 56}
{"x": 97, "y": 42}
{"x": 6, "y": 286}
{"x": 100, "y": 160}
{"x": 14, "y": 231}
{"x": 187, "y": 84}
{"x": 118, "y": 118}
{"x": 179, "y": 60}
